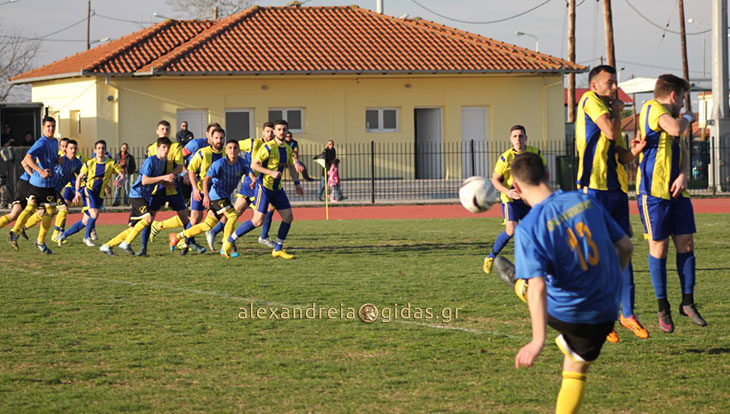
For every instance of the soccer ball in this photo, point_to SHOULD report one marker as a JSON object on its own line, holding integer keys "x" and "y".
{"x": 477, "y": 194}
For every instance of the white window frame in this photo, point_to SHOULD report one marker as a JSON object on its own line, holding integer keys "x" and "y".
{"x": 251, "y": 127}
{"x": 380, "y": 127}
{"x": 285, "y": 116}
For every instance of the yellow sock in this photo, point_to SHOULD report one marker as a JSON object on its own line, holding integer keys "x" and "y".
{"x": 571, "y": 393}
{"x": 61, "y": 217}
{"x": 207, "y": 224}
{"x": 171, "y": 223}
{"x": 118, "y": 238}
{"x": 134, "y": 231}
{"x": 45, "y": 224}
{"x": 231, "y": 218}
{"x": 23, "y": 217}
{"x": 4, "y": 220}
{"x": 33, "y": 220}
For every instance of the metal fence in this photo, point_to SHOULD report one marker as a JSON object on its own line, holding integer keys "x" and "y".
{"x": 372, "y": 172}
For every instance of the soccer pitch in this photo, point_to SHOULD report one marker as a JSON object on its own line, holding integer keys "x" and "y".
{"x": 81, "y": 331}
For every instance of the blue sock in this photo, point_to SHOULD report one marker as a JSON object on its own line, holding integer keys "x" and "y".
{"x": 281, "y": 236}
{"x": 658, "y": 273}
{"x": 89, "y": 226}
{"x": 499, "y": 244}
{"x": 267, "y": 224}
{"x": 74, "y": 229}
{"x": 627, "y": 291}
{"x": 244, "y": 228}
{"x": 145, "y": 237}
{"x": 686, "y": 270}
{"x": 218, "y": 228}
{"x": 190, "y": 240}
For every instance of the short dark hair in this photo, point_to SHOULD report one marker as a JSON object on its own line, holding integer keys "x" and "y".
{"x": 336, "y": 161}
{"x": 64, "y": 139}
{"x": 220, "y": 130}
{"x": 232, "y": 141}
{"x": 72, "y": 142}
{"x": 47, "y": 119}
{"x": 281, "y": 122}
{"x": 164, "y": 141}
{"x": 268, "y": 124}
{"x": 518, "y": 127}
{"x": 163, "y": 122}
{"x": 101, "y": 141}
{"x": 669, "y": 83}
{"x": 528, "y": 168}
{"x": 212, "y": 125}
{"x": 601, "y": 68}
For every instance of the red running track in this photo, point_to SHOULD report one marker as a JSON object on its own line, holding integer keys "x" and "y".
{"x": 701, "y": 206}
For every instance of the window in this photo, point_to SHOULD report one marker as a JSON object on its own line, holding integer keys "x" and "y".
{"x": 74, "y": 124}
{"x": 381, "y": 120}
{"x": 293, "y": 116}
{"x": 238, "y": 123}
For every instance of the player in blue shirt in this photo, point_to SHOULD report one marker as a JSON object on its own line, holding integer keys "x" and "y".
{"x": 42, "y": 157}
{"x": 220, "y": 180}
{"x": 143, "y": 199}
{"x": 565, "y": 248}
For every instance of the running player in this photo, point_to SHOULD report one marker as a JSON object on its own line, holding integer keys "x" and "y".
{"x": 602, "y": 152}
{"x": 21, "y": 199}
{"x": 269, "y": 162}
{"x": 566, "y": 250}
{"x": 143, "y": 199}
{"x": 98, "y": 172}
{"x": 664, "y": 204}
{"x": 220, "y": 180}
{"x": 42, "y": 157}
{"x": 513, "y": 208}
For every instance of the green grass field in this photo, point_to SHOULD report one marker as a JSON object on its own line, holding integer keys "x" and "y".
{"x": 81, "y": 332}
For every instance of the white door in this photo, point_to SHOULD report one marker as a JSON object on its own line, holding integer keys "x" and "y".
{"x": 196, "y": 119}
{"x": 474, "y": 137}
{"x": 429, "y": 148}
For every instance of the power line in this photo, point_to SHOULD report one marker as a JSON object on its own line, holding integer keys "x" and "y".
{"x": 637, "y": 64}
{"x": 480, "y": 22}
{"x": 123, "y": 20}
{"x": 33, "y": 39}
{"x": 660, "y": 27}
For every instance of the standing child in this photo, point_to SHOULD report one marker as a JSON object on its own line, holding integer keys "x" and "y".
{"x": 333, "y": 180}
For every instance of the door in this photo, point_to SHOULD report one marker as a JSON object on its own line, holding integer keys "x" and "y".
{"x": 196, "y": 119}
{"x": 429, "y": 148}
{"x": 474, "y": 127}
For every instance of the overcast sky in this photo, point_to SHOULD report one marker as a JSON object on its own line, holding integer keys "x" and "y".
{"x": 641, "y": 48}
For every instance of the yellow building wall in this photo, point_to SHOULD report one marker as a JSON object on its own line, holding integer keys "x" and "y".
{"x": 70, "y": 101}
{"x": 127, "y": 109}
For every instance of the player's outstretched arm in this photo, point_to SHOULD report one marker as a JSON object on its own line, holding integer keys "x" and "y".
{"x": 624, "y": 247}
{"x": 537, "y": 302}
{"x": 497, "y": 184}
{"x": 295, "y": 176}
{"x": 256, "y": 166}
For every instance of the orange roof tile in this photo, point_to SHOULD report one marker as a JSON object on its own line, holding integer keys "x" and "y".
{"x": 267, "y": 40}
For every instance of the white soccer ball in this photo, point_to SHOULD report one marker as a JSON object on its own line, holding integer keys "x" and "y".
{"x": 477, "y": 194}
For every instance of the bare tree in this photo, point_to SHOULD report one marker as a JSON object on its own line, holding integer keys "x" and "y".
{"x": 203, "y": 9}
{"x": 16, "y": 56}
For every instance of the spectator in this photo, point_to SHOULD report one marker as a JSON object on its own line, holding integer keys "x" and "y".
{"x": 28, "y": 139}
{"x": 294, "y": 145}
{"x": 7, "y": 138}
{"x": 334, "y": 181}
{"x": 184, "y": 135}
{"x": 125, "y": 161}
{"x": 329, "y": 154}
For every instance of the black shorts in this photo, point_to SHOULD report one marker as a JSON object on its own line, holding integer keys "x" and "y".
{"x": 585, "y": 339}
{"x": 220, "y": 207}
{"x": 43, "y": 195}
{"x": 59, "y": 199}
{"x": 22, "y": 191}
{"x": 140, "y": 208}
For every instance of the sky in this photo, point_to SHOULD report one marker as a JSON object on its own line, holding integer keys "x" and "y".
{"x": 641, "y": 48}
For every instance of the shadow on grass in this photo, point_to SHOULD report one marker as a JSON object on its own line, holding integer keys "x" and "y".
{"x": 711, "y": 351}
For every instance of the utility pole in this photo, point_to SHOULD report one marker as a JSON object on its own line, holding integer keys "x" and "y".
{"x": 571, "y": 58}
{"x": 685, "y": 67}
{"x": 720, "y": 126}
{"x": 88, "y": 25}
{"x": 608, "y": 23}
{"x": 215, "y": 12}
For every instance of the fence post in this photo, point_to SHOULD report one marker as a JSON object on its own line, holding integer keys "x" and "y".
{"x": 711, "y": 164}
{"x": 372, "y": 172}
{"x": 473, "y": 160}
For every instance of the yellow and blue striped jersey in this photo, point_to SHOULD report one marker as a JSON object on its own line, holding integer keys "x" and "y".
{"x": 273, "y": 157}
{"x": 659, "y": 162}
{"x": 598, "y": 165}
{"x": 174, "y": 158}
{"x": 201, "y": 161}
{"x": 99, "y": 173}
{"x": 503, "y": 167}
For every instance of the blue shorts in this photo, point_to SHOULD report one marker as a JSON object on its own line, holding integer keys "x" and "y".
{"x": 196, "y": 205}
{"x": 247, "y": 191}
{"x": 616, "y": 203}
{"x": 515, "y": 210}
{"x": 176, "y": 202}
{"x": 69, "y": 193}
{"x": 264, "y": 197}
{"x": 663, "y": 218}
{"x": 92, "y": 200}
